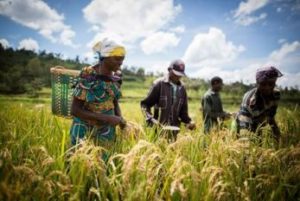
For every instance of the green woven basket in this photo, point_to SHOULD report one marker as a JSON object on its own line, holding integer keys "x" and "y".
{"x": 62, "y": 80}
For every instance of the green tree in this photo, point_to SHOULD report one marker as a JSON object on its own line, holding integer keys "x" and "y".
{"x": 34, "y": 68}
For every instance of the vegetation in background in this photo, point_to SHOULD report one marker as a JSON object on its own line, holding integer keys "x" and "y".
{"x": 24, "y": 71}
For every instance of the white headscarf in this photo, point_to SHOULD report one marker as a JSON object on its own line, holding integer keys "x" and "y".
{"x": 109, "y": 48}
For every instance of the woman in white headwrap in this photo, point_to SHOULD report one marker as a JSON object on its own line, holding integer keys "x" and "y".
{"x": 95, "y": 99}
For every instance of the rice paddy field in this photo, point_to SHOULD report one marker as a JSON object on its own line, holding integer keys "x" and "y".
{"x": 38, "y": 163}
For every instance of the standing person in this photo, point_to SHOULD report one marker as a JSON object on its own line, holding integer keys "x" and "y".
{"x": 212, "y": 107}
{"x": 169, "y": 97}
{"x": 259, "y": 105}
{"x": 95, "y": 99}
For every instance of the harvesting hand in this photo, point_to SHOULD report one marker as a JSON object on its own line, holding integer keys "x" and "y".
{"x": 123, "y": 123}
{"x": 226, "y": 116}
{"x": 233, "y": 114}
{"x": 191, "y": 126}
{"x": 115, "y": 120}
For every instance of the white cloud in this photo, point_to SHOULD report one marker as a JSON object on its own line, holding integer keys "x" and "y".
{"x": 247, "y": 75}
{"x": 284, "y": 58}
{"x": 159, "y": 42}
{"x": 131, "y": 19}
{"x": 66, "y": 37}
{"x": 5, "y": 44}
{"x": 243, "y": 14}
{"x": 211, "y": 49}
{"x": 29, "y": 44}
{"x": 94, "y": 28}
{"x": 281, "y": 40}
{"x": 289, "y": 80}
{"x": 160, "y": 66}
{"x": 278, "y": 56}
{"x": 37, "y": 15}
{"x": 250, "y": 6}
{"x": 247, "y": 20}
{"x": 178, "y": 29}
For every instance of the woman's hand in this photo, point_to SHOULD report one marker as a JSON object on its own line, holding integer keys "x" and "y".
{"x": 123, "y": 123}
{"x": 115, "y": 120}
{"x": 112, "y": 120}
{"x": 191, "y": 126}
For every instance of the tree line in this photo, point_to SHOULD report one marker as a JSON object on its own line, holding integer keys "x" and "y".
{"x": 25, "y": 71}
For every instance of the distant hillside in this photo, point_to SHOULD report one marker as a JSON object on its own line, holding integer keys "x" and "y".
{"x": 24, "y": 71}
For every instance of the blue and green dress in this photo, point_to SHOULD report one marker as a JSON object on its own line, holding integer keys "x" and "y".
{"x": 98, "y": 92}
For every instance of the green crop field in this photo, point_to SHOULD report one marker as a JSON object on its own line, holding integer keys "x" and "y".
{"x": 38, "y": 163}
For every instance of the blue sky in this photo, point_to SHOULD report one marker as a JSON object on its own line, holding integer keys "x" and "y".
{"x": 226, "y": 38}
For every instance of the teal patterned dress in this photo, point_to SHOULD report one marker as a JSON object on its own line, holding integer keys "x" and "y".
{"x": 98, "y": 92}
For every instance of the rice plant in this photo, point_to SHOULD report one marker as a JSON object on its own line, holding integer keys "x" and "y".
{"x": 38, "y": 163}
